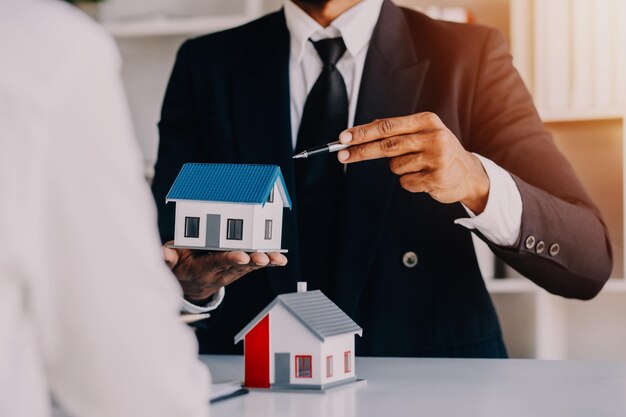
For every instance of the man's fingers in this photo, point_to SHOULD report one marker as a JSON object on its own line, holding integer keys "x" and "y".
{"x": 277, "y": 259}
{"x": 228, "y": 259}
{"x": 393, "y": 126}
{"x": 384, "y": 148}
{"x": 409, "y": 163}
{"x": 416, "y": 182}
{"x": 259, "y": 258}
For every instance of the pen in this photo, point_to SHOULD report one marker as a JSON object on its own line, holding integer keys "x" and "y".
{"x": 329, "y": 147}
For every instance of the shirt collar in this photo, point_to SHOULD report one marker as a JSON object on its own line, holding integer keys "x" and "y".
{"x": 356, "y": 26}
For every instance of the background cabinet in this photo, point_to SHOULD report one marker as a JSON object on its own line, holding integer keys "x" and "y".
{"x": 546, "y": 42}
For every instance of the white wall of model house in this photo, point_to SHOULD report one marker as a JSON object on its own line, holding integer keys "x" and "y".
{"x": 289, "y": 335}
{"x": 336, "y": 347}
{"x": 270, "y": 211}
{"x": 200, "y": 209}
{"x": 253, "y": 216}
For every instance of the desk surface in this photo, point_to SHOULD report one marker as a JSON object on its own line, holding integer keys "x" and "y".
{"x": 444, "y": 387}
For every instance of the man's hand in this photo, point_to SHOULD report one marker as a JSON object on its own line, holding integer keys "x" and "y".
{"x": 425, "y": 154}
{"x": 202, "y": 273}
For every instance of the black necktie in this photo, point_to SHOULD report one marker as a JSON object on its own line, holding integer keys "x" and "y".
{"x": 319, "y": 178}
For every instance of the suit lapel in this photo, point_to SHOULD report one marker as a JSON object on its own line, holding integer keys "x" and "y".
{"x": 391, "y": 84}
{"x": 262, "y": 125}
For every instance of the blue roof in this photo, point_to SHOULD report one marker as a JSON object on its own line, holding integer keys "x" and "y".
{"x": 232, "y": 183}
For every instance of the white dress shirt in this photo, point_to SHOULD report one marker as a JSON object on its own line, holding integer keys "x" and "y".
{"x": 501, "y": 220}
{"x": 88, "y": 310}
{"x": 356, "y": 26}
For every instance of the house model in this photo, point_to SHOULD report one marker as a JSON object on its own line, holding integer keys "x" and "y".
{"x": 301, "y": 340}
{"x": 229, "y": 207}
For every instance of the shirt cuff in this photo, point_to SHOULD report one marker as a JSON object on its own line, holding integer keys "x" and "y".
{"x": 501, "y": 221}
{"x": 191, "y": 308}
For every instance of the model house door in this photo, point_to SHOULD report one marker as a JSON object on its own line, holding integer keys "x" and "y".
{"x": 281, "y": 368}
{"x": 213, "y": 230}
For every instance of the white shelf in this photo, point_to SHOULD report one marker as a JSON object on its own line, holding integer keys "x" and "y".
{"x": 615, "y": 285}
{"x": 510, "y": 286}
{"x": 173, "y": 26}
{"x": 580, "y": 115}
{"x": 525, "y": 286}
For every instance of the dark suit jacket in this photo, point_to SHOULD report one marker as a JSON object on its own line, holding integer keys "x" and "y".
{"x": 228, "y": 101}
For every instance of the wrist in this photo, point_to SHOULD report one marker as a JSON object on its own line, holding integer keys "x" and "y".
{"x": 479, "y": 186}
{"x": 200, "y": 299}
{"x": 206, "y": 306}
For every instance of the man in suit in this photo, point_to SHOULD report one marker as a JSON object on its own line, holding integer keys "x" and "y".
{"x": 447, "y": 142}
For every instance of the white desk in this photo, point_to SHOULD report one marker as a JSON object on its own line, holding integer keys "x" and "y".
{"x": 444, "y": 387}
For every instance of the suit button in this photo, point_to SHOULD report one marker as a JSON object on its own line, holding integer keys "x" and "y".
{"x": 530, "y": 242}
{"x": 554, "y": 249}
{"x": 541, "y": 246}
{"x": 409, "y": 259}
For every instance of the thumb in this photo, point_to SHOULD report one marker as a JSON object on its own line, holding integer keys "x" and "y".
{"x": 170, "y": 256}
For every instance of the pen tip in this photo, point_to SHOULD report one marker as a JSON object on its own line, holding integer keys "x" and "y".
{"x": 300, "y": 155}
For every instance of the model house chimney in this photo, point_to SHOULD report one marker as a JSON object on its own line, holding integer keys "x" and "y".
{"x": 301, "y": 286}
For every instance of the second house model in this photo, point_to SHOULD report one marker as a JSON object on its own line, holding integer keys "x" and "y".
{"x": 228, "y": 207}
{"x": 300, "y": 341}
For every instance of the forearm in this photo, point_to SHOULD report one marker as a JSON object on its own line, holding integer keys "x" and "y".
{"x": 563, "y": 247}
{"x": 555, "y": 207}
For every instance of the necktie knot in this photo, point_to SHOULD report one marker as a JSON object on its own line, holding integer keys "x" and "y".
{"x": 330, "y": 50}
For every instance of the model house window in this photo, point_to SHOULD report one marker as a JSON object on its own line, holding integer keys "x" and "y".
{"x": 192, "y": 226}
{"x": 347, "y": 358}
{"x": 270, "y": 199}
{"x": 268, "y": 230}
{"x": 303, "y": 366}
{"x": 329, "y": 366}
{"x": 234, "y": 229}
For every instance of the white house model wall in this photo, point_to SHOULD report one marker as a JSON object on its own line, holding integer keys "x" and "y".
{"x": 271, "y": 211}
{"x": 288, "y": 335}
{"x": 254, "y": 218}
{"x": 201, "y": 209}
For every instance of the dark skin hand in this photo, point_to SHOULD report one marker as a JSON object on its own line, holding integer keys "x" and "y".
{"x": 202, "y": 273}
{"x": 426, "y": 156}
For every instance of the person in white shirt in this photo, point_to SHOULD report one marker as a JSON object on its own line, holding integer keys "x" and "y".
{"x": 88, "y": 310}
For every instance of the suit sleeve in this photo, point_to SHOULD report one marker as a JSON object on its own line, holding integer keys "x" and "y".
{"x": 178, "y": 138}
{"x": 564, "y": 245}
